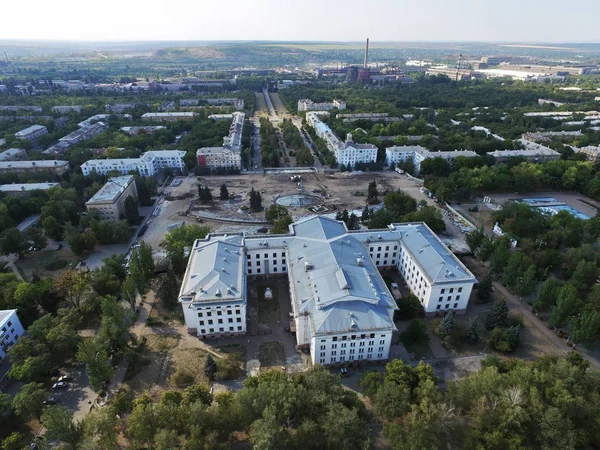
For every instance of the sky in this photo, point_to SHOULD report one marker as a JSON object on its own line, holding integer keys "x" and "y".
{"x": 303, "y": 20}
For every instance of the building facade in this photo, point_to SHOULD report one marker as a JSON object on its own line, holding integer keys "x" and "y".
{"x": 20, "y": 189}
{"x": 10, "y": 331}
{"x": 109, "y": 201}
{"x": 13, "y": 154}
{"x": 342, "y": 309}
{"x": 218, "y": 157}
{"x": 56, "y": 167}
{"x": 147, "y": 165}
{"x": 31, "y": 133}
{"x": 399, "y": 154}
{"x": 168, "y": 116}
{"x": 308, "y": 105}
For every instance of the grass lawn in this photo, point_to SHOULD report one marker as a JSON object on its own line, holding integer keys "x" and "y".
{"x": 271, "y": 354}
{"x": 268, "y": 310}
{"x": 46, "y": 262}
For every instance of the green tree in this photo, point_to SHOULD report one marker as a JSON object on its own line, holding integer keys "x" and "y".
{"x": 224, "y": 193}
{"x": 13, "y": 241}
{"x": 114, "y": 327}
{"x": 473, "y": 332}
{"x": 586, "y": 328}
{"x": 409, "y": 307}
{"x": 547, "y": 294}
{"x": 131, "y": 211}
{"x": 485, "y": 288}
{"x": 282, "y": 226}
{"x": 365, "y": 214}
{"x": 255, "y": 201}
{"x": 101, "y": 430}
{"x": 415, "y": 332}
{"x": 53, "y": 228}
{"x": 74, "y": 286}
{"x": 199, "y": 392}
{"x": 566, "y": 306}
{"x": 204, "y": 195}
{"x": 130, "y": 291}
{"x": 58, "y": 421}
{"x": 275, "y": 212}
{"x": 169, "y": 289}
{"x": 475, "y": 238}
{"x": 210, "y": 368}
{"x": 95, "y": 357}
{"x": 28, "y": 401}
{"x": 498, "y": 315}
{"x": 505, "y": 339}
{"x": 372, "y": 193}
{"x": 37, "y": 238}
{"x": 370, "y": 382}
{"x": 447, "y": 324}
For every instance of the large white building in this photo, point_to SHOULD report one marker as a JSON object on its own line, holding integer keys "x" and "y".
{"x": 168, "y": 116}
{"x": 229, "y": 155}
{"x": 417, "y": 154}
{"x": 31, "y": 133}
{"x": 342, "y": 308}
{"x": 308, "y": 105}
{"x": 10, "y": 330}
{"x": 146, "y": 165}
{"x": 347, "y": 153}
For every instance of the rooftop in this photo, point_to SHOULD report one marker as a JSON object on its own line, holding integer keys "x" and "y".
{"x": 5, "y": 314}
{"x": 31, "y": 129}
{"x": 17, "y": 187}
{"x": 111, "y": 190}
{"x": 215, "y": 271}
{"x": 31, "y": 164}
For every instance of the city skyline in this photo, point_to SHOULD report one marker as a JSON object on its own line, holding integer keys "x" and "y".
{"x": 352, "y": 20}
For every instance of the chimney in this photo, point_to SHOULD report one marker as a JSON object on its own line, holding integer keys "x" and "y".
{"x": 366, "y": 54}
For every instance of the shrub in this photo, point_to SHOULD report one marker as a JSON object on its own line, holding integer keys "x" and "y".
{"x": 182, "y": 377}
{"x": 505, "y": 340}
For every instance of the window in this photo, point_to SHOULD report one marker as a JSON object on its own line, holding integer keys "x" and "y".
{"x": 385, "y": 262}
{"x": 440, "y": 299}
{"x": 333, "y": 352}
{"x": 387, "y": 247}
{"x": 229, "y": 312}
{"x": 249, "y": 271}
{"x": 249, "y": 263}
{"x": 372, "y": 342}
{"x": 199, "y": 315}
{"x": 372, "y": 335}
{"x": 459, "y": 289}
{"x": 266, "y": 255}
{"x": 381, "y": 342}
{"x": 385, "y": 255}
{"x": 239, "y": 319}
{"x": 361, "y": 350}
{"x": 370, "y": 349}
{"x": 219, "y": 313}
{"x": 221, "y": 329}
{"x": 378, "y": 255}
{"x": 447, "y": 305}
{"x": 258, "y": 263}
{"x": 380, "y": 349}
{"x": 334, "y": 338}
{"x": 203, "y": 331}
{"x": 333, "y": 345}
{"x": 451, "y": 290}
{"x": 239, "y": 328}
{"x": 455, "y": 305}
{"x": 230, "y": 320}
{"x": 322, "y": 361}
{"x": 202, "y": 322}
{"x": 342, "y": 352}
{"x": 449, "y": 297}
{"x": 237, "y": 311}
{"x": 257, "y": 256}
{"x": 438, "y": 306}
{"x": 352, "y": 344}
{"x": 209, "y": 314}
{"x": 323, "y": 347}
{"x": 378, "y": 249}
{"x": 395, "y": 247}
{"x": 210, "y": 322}
{"x": 257, "y": 270}
{"x": 344, "y": 345}
{"x": 442, "y": 291}
{"x": 274, "y": 269}
{"x": 380, "y": 356}
{"x": 362, "y": 344}
{"x": 322, "y": 353}
{"x": 352, "y": 351}
{"x": 458, "y": 297}
{"x": 212, "y": 330}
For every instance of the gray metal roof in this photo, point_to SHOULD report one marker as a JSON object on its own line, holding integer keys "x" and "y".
{"x": 5, "y": 314}
{"x": 215, "y": 271}
{"x": 111, "y": 190}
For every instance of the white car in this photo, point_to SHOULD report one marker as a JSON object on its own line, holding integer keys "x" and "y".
{"x": 60, "y": 385}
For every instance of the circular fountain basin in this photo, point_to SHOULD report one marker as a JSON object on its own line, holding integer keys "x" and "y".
{"x": 294, "y": 200}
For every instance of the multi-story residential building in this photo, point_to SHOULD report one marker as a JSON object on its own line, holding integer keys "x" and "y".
{"x": 146, "y": 165}
{"x": 308, "y": 105}
{"x": 398, "y": 154}
{"x": 57, "y": 167}
{"x": 84, "y": 133}
{"x": 217, "y": 157}
{"x": 21, "y": 108}
{"x": 13, "y": 154}
{"x": 590, "y": 151}
{"x": 31, "y": 133}
{"x": 118, "y": 108}
{"x": 168, "y": 116}
{"x": 101, "y": 117}
{"x": 352, "y": 153}
{"x": 10, "y": 331}
{"x": 534, "y": 155}
{"x": 347, "y": 153}
{"x": 18, "y": 189}
{"x": 109, "y": 201}
{"x": 132, "y": 131}
{"x": 229, "y": 154}
{"x": 342, "y": 309}
{"x": 66, "y": 109}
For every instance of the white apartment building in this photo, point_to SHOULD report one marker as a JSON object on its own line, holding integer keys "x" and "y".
{"x": 57, "y": 167}
{"x": 146, "y": 165}
{"x": 347, "y": 153}
{"x": 133, "y": 131}
{"x": 168, "y": 116}
{"x": 10, "y": 331}
{"x": 351, "y": 153}
{"x": 31, "y": 133}
{"x": 66, "y": 109}
{"x": 417, "y": 154}
{"x": 229, "y": 154}
{"x": 217, "y": 157}
{"x": 83, "y": 133}
{"x": 306, "y": 104}
{"x": 109, "y": 201}
{"x": 342, "y": 309}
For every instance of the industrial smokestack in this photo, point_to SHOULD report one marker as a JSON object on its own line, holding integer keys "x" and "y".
{"x": 366, "y": 54}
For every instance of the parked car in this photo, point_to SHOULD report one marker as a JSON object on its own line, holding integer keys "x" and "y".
{"x": 344, "y": 372}
{"x": 51, "y": 401}
{"x": 561, "y": 333}
{"x": 60, "y": 385}
{"x": 65, "y": 378}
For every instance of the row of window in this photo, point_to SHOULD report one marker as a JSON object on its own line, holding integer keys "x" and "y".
{"x": 350, "y": 358}
{"x": 219, "y": 313}
{"x": 352, "y": 351}
{"x": 221, "y": 330}
{"x": 230, "y": 320}
{"x": 353, "y": 337}
{"x": 447, "y": 306}
{"x": 448, "y": 299}
{"x": 352, "y": 344}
